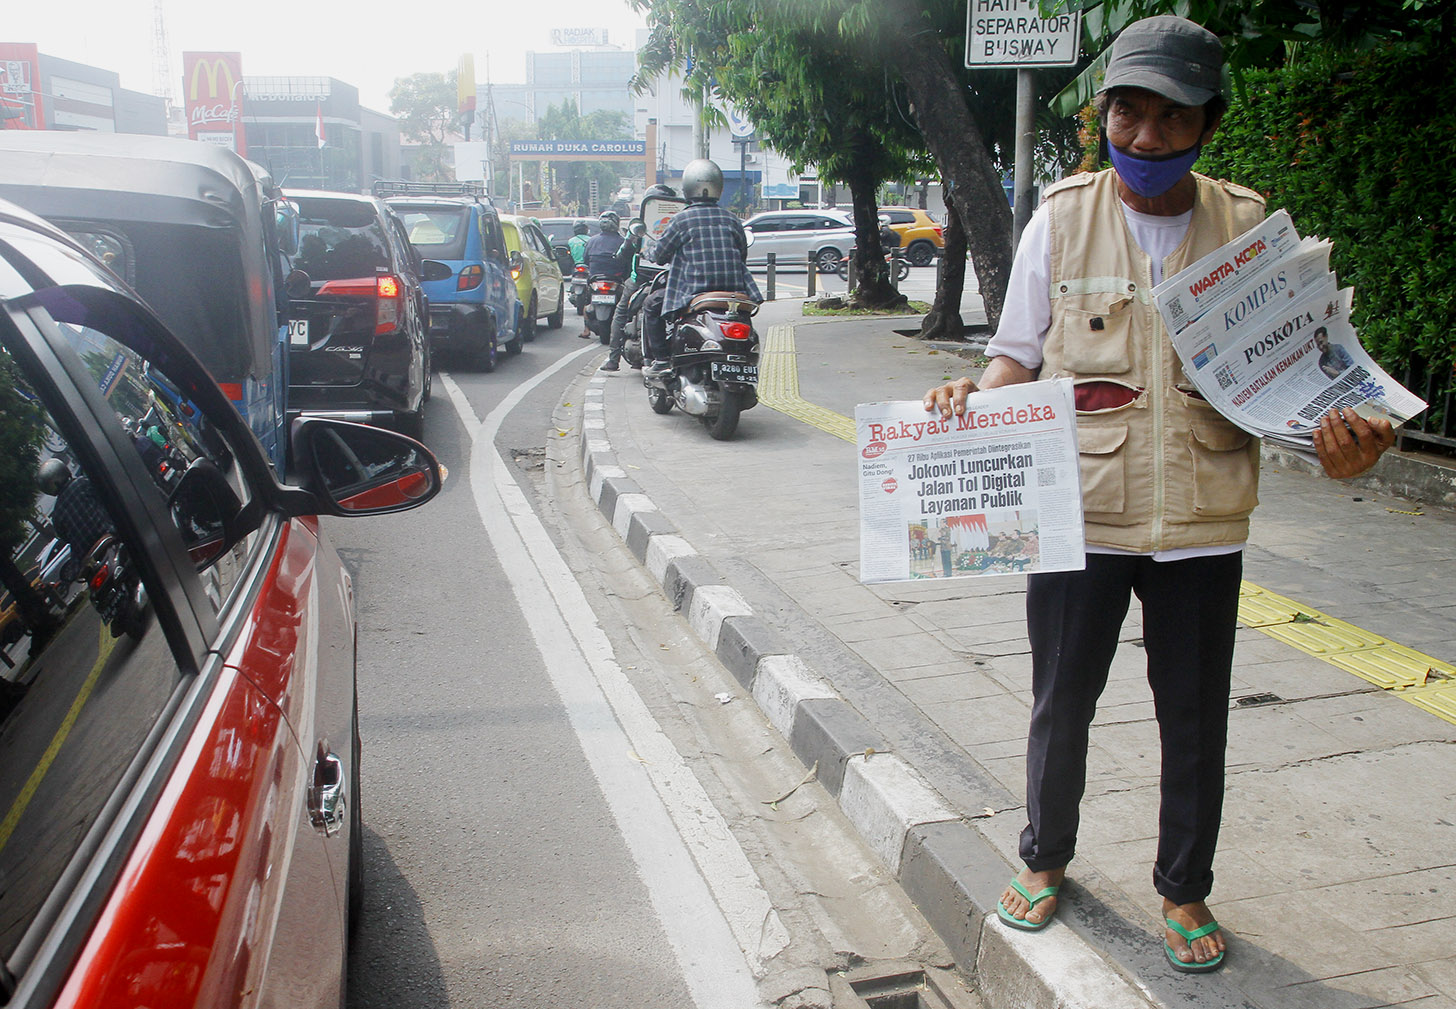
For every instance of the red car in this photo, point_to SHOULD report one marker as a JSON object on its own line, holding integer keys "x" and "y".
{"x": 179, "y": 747}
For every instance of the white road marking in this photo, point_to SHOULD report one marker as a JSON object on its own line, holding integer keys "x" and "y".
{"x": 717, "y": 916}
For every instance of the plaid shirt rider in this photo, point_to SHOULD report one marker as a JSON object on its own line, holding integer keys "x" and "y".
{"x": 707, "y": 249}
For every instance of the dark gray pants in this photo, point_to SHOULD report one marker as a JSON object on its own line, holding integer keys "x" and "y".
{"x": 619, "y": 320}
{"x": 1190, "y": 610}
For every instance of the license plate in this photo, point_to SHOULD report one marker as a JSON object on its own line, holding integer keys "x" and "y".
{"x": 298, "y": 332}
{"x": 732, "y": 371}
{"x": 604, "y": 299}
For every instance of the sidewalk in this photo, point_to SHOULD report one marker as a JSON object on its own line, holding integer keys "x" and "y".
{"x": 913, "y": 699}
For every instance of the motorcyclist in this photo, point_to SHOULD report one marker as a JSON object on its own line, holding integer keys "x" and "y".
{"x": 889, "y": 237}
{"x": 602, "y": 249}
{"x": 707, "y": 250}
{"x": 78, "y": 517}
{"x": 577, "y": 242}
{"x": 629, "y": 286}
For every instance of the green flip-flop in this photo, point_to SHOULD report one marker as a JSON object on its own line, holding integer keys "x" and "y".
{"x": 1193, "y": 967}
{"x": 1033, "y": 900}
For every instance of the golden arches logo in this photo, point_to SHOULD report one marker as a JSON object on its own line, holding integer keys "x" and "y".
{"x": 213, "y": 68}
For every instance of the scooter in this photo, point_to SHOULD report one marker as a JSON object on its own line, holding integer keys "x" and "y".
{"x": 647, "y": 275}
{"x": 115, "y": 589}
{"x": 714, "y": 366}
{"x": 604, "y": 295}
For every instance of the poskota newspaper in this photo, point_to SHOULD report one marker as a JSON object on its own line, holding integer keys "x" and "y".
{"x": 1263, "y": 331}
{"x": 994, "y": 491}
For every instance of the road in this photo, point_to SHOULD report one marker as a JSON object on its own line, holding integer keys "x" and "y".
{"x": 560, "y": 807}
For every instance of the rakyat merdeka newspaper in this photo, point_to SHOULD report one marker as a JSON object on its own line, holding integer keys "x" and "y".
{"x": 993, "y": 491}
{"x": 1271, "y": 345}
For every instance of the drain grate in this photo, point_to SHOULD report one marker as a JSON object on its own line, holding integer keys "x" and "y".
{"x": 908, "y": 987}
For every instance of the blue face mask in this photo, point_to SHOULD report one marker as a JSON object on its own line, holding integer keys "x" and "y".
{"x": 1150, "y": 178}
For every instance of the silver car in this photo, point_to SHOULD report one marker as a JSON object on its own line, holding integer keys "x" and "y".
{"x": 796, "y": 236}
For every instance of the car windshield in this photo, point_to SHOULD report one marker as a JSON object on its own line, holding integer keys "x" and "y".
{"x": 437, "y": 232}
{"x": 559, "y": 232}
{"x": 339, "y": 239}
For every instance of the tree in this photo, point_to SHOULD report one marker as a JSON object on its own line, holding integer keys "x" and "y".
{"x": 426, "y": 106}
{"x": 911, "y": 40}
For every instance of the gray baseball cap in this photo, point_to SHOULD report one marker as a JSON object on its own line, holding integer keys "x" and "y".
{"x": 1167, "y": 55}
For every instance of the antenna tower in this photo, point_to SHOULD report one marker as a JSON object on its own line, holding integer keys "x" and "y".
{"x": 161, "y": 55}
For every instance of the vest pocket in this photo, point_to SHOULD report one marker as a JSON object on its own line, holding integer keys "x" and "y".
{"x": 1096, "y": 330}
{"x": 1104, "y": 483}
{"x": 1223, "y": 470}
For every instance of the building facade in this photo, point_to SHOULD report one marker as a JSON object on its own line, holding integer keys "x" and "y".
{"x": 40, "y": 92}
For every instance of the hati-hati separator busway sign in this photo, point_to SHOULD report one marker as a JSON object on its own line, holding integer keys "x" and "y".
{"x": 1013, "y": 33}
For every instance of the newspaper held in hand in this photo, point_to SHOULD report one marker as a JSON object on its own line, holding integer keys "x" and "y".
{"x": 993, "y": 491}
{"x": 1263, "y": 331}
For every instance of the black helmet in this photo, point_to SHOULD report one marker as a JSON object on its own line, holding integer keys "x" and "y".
{"x": 660, "y": 190}
{"x": 52, "y": 476}
{"x": 702, "y": 180}
{"x": 580, "y": 228}
{"x": 610, "y": 221}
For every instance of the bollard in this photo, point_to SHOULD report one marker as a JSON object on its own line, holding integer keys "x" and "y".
{"x": 813, "y": 275}
{"x": 769, "y": 294}
{"x": 895, "y": 273}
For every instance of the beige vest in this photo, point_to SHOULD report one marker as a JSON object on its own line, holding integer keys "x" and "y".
{"x": 1166, "y": 470}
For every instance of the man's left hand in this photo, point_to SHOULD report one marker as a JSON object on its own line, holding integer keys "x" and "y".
{"x": 1348, "y": 445}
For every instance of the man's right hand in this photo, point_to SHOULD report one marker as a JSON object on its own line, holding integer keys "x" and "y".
{"x": 949, "y": 398}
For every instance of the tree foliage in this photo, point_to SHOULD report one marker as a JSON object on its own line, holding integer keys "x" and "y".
{"x": 1347, "y": 142}
{"x": 426, "y": 106}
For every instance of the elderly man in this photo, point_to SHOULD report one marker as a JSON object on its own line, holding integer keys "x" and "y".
{"x": 1168, "y": 484}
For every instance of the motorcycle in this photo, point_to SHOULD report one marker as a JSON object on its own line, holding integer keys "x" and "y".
{"x": 115, "y": 589}
{"x": 896, "y": 259}
{"x": 604, "y": 295}
{"x": 713, "y": 373}
{"x": 580, "y": 291}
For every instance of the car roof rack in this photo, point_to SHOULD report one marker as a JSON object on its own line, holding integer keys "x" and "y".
{"x": 399, "y": 187}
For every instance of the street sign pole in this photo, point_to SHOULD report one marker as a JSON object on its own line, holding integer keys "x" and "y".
{"x": 1007, "y": 34}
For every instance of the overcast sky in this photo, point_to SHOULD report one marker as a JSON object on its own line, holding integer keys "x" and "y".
{"x": 367, "y": 43}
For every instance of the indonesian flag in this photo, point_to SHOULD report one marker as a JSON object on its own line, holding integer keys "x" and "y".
{"x": 318, "y": 129}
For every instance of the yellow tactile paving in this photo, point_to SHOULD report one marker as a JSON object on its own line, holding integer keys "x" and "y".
{"x": 1413, "y": 676}
{"x": 778, "y": 386}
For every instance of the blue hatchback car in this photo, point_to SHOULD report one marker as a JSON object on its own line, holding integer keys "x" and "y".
{"x": 474, "y": 311}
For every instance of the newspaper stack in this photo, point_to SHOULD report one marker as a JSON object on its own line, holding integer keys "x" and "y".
{"x": 1263, "y": 330}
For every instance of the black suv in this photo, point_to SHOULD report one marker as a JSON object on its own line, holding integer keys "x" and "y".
{"x": 358, "y": 323}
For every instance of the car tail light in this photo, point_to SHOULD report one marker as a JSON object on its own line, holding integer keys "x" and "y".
{"x": 515, "y": 273}
{"x": 470, "y": 278}
{"x": 100, "y": 577}
{"x": 386, "y": 318}
{"x": 736, "y": 330}
{"x": 939, "y": 231}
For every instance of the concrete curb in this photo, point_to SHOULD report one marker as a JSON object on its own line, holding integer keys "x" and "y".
{"x": 947, "y": 868}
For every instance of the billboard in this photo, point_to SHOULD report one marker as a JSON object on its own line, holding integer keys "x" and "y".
{"x": 212, "y": 90}
{"x": 21, "y": 106}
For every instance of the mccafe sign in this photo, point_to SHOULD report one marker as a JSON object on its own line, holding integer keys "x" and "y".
{"x": 213, "y": 96}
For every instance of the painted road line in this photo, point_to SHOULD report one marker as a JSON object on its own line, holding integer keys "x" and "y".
{"x": 1413, "y": 676}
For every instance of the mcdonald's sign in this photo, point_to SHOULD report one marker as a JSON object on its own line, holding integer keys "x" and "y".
{"x": 212, "y": 86}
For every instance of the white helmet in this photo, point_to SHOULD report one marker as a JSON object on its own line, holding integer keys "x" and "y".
{"x": 609, "y": 221}
{"x": 702, "y": 180}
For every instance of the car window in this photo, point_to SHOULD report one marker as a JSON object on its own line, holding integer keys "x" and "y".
{"x": 437, "y": 232}
{"x": 408, "y": 256}
{"x": 492, "y": 238}
{"x": 899, "y": 216}
{"x": 512, "y": 236}
{"x": 765, "y": 226}
{"x": 340, "y": 239}
{"x": 539, "y": 240}
{"x": 86, "y": 673}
